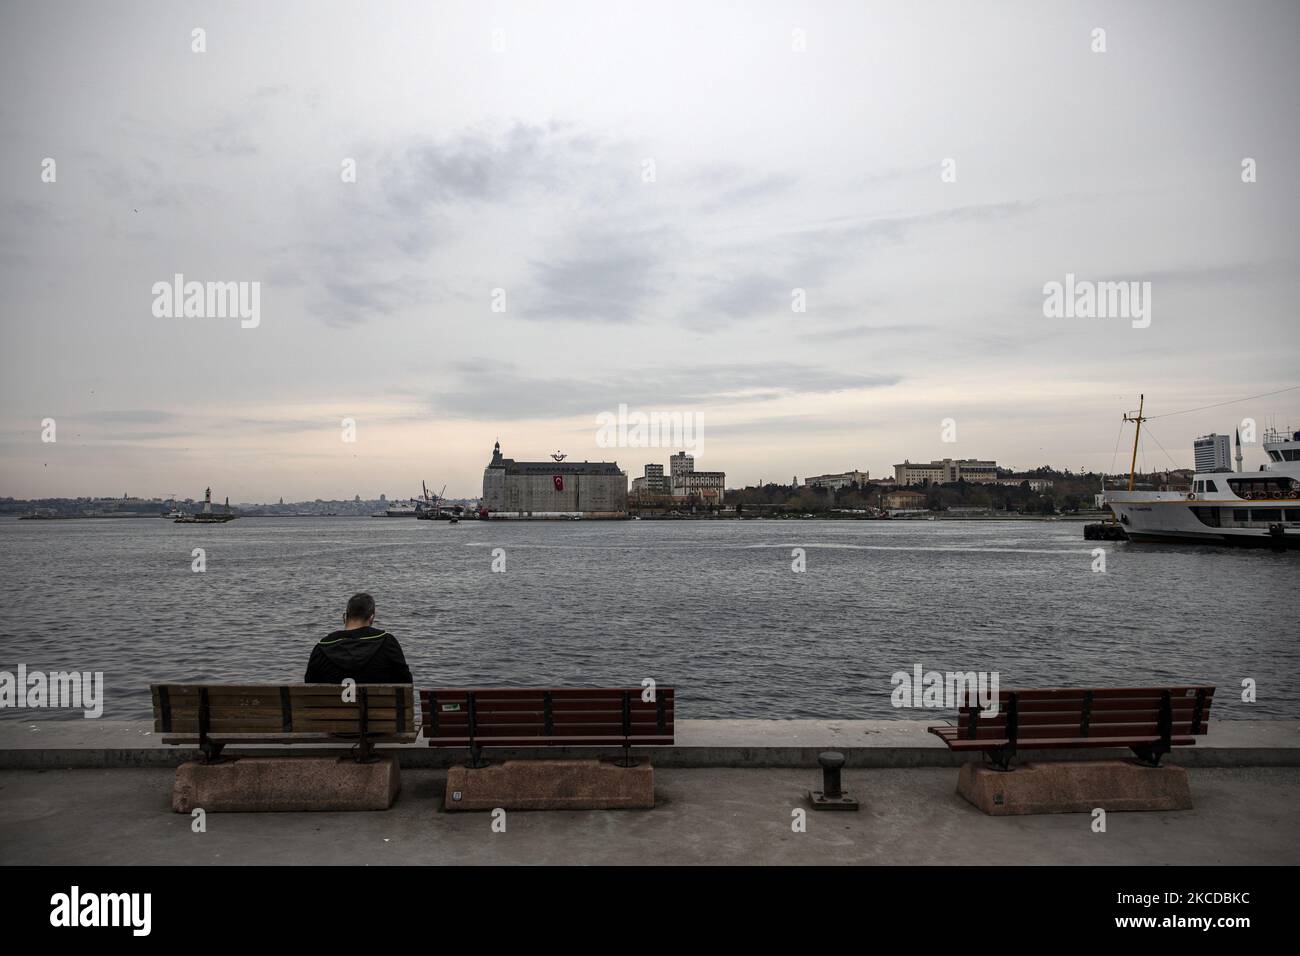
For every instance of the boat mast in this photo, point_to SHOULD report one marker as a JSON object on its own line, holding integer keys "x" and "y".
{"x": 1132, "y": 468}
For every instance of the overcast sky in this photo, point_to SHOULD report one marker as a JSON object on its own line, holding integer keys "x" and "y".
{"x": 524, "y": 169}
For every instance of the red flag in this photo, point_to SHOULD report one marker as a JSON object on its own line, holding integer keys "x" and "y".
{"x": 559, "y": 482}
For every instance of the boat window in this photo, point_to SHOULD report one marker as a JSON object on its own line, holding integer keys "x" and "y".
{"x": 1267, "y": 514}
{"x": 1199, "y": 486}
{"x": 1291, "y": 454}
{"x": 1211, "y": 486}
{"x": 1240, "y": 514}
{"x": 1260, "y": 487}
{"x": 1275, "y": 455}
{"x": 1293, "y": 514}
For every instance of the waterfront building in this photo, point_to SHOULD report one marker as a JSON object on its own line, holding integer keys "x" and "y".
{"x": 1213, "y": 453}
{"x": 841, "y": 480}
{"x": 905, "y": 501}
{"x": 946, "y": 471}
{"x": 701, "y": 484}
{"x": 553, "y": 489}
{"x": 1035, "y": 484}
{"x": 685, "y": 482}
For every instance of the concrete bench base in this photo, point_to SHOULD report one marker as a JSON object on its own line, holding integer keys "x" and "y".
{"x": 287, "y": 784}
{"x": 552, "y": 785}
{"x": 1074, "y": 787}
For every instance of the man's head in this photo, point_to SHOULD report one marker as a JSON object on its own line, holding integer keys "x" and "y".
{"x": 360, "y": 612}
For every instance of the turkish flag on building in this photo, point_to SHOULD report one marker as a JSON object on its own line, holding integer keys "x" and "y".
{"x": 559, "y": 482}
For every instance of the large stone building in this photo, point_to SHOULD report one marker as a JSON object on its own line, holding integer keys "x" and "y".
{"x": 946, "y": 471}
{"x": 835, "y": 482}
{"x": 553, "y": 489}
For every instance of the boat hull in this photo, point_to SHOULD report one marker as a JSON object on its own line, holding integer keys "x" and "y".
{"x": 1195, "y": 519}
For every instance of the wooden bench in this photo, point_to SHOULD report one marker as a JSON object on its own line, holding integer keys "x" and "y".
{"x": 1148, "y": 720}
{"x": 214, "y": 715}
{"x": 546, "y": 716}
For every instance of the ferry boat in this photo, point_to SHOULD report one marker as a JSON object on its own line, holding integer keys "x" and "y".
{"x": 1251, "y": 508}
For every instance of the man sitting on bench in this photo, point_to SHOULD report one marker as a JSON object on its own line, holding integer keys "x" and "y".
{"x": 361, "y": 651}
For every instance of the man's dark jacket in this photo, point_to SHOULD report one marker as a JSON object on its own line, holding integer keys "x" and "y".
{"x": 369, "y": 655}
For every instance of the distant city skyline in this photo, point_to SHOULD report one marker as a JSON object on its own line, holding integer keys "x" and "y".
{"x": 518, "y": 218}
{"x": 1147, "y": 463}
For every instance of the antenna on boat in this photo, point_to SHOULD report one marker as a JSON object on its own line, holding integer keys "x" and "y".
{"x": 1132, "y": 468}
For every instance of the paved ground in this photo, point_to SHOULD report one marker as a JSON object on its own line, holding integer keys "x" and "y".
{"x": 705, "y": 816}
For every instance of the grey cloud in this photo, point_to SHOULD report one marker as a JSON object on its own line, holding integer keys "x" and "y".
{"x": 608, "y": 278}
{"x": 508, "y": 392}
{"x": 866, "y": 329}
{"x": 748, "y": 295}
{"x": 749, "y": 193}
{"x": 483, "y": 168}
{"x": 137, "y": 416}
{"x": 806, "y": 256}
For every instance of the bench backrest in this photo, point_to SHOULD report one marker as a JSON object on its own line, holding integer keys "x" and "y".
{"x": 1116, "y": 713}
{"x": 540, "y": 716}
{"x": 282, "y": 713}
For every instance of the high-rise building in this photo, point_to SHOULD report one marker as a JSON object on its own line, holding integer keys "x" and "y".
{"x": 655, "y": 483}
{"x": 1213, "y": 453}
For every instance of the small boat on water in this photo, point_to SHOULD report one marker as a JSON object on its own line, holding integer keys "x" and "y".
{"x": 1259, "y": 508}
{"x": 207, "y": 515}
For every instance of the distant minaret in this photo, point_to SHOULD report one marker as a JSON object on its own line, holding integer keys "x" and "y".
{"x": 1239, "y": 450}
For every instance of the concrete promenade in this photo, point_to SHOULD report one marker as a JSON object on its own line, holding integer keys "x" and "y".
{"x": 98, "y": 792}
{"x": 703, "y": 816}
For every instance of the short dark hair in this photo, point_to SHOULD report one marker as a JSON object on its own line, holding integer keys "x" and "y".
{"x": 361, "y": 607}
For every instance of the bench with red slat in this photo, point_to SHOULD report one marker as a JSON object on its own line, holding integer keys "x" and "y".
{"x": 546, "y": 716}
{"x": 1148, "y": 720}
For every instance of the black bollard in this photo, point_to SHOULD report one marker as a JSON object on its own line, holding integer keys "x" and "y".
{"x": 831, "y": 796}
{"x": 831, "y": 763}
{"x": 1277, "y": 537}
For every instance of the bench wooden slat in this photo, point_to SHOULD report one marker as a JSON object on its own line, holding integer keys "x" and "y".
{"x": 616, "y": 741}
{"x": 1032, "y": 722}
{"x": 1072, "y": 743}
{"x": 1149, "y": 720}
{"x": 1100, "y": 694}
{"x": 296, "y": 738}
{"x": 542, "y": 716}
{"x": 1062, "y": 730}
{"x": 283, "y": 713}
